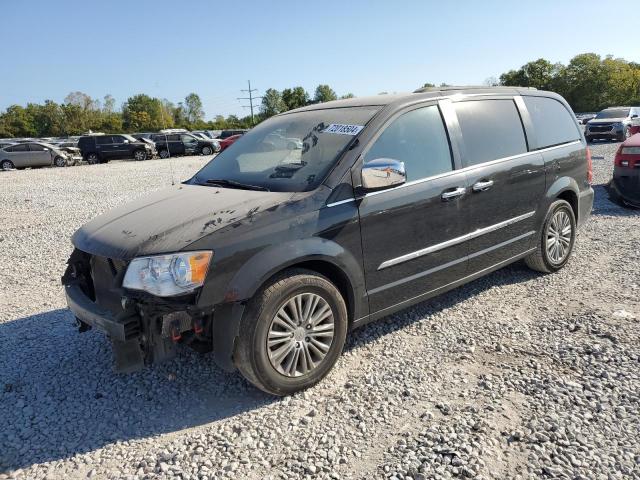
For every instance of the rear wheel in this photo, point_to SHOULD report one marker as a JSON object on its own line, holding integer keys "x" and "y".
{"x": 555, "y": 240}
{"x": 292, "y": 333}
{"x": 7, "y": 165}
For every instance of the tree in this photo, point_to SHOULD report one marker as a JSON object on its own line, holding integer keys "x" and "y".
{"x": 429, "y": 85}
{"x": 538, "y": 74}
{"x": 82, "y": 100}
{"x": 142, "y": 112}
{"x": 193, "y": 108}
{"x": 272, "y": 103}
{"x": 108, "y": 103}
{"x": 295, "y": 97}
{"x": 324, "y": 93}
{"x": 348, "y": 95}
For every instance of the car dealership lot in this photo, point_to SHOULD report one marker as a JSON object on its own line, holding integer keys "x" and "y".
{"x": 516, "y": 373}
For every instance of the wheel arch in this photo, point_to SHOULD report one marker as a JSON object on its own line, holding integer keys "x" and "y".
{"x": 565, "y": 188}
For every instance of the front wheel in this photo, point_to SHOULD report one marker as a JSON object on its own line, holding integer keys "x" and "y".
{"x": 140, "y": 155}
{"x": 93, "y": 159}
{"x": 626, "y": 133}
{"x": 164, "y": 153}
{"x": 207, "y": 150}
{"x": 60, "y": 162}
{"x": 555, "y": 240}
{"x": 292, "y": 333}
{"x": 7, "y": 165}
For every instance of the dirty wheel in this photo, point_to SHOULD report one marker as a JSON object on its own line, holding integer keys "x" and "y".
{"x": 7, "y": 165}
{"x": 60, "y": 162}
{"x": 140, "y": 155}
{"x": 164, "y": 153}
{"x": 292, "y": 332}
{"x": 207, "y": 150}
{"x": 93, "y": 159}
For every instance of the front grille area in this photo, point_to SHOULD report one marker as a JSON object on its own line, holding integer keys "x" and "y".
{"x": 600, "y": 128}
{"x": 107, "y": 275}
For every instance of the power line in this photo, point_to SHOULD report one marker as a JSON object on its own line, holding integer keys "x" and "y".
{"x": 251, "y": 98}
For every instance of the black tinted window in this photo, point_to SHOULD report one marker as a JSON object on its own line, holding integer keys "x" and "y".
{"x": 491, "y": 129}
{"x": 34, "y": 147}
{"x": 117, "y": 139}
{"x": 21, "y": 147}
{"x": 418, "y": 139}
{"x": 103, "y": 140}
{"x": 552, "y": 122}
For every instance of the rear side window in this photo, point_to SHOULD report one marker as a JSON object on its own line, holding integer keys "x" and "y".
{"x": 21, "y": 147}
{"x": 34, "y": 147}
{"x": 552, "y": 122}
{"x": 417, "y": 138}
{"x": 491, "y": 129}
{"x": 103, "y": 140}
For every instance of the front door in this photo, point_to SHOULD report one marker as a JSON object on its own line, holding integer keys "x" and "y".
{"x": 507, "y": 182}
{"x": 39, "y": 155}
{"x": 412, "y": 234}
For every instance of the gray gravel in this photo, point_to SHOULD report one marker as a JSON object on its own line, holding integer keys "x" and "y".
{"x": 516, "y": 375}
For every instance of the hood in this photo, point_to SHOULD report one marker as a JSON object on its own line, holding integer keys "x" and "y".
{"x": 170, "y": 220}
{"x": 632, "y": 141}
{"x": 596, "y": 121}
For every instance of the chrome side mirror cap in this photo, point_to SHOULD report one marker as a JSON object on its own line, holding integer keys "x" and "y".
{"x": 383, "y": 173}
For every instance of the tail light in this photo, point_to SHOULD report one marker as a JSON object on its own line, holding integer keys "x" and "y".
{"x": 589, "y": 166}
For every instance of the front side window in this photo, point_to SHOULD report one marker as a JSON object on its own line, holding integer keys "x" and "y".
{"x": 553, "y": 123}
{"x": 417, "y": 138}
{"x": 314, "y": 141}
{"x": 491, "y": 129}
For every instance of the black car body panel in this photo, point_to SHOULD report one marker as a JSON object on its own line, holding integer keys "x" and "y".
{"x": 384, "y": 250}
{"x": 111, "y": 147}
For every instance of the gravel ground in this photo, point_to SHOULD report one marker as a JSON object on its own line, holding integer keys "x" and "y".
{"x": 516, "y": 375}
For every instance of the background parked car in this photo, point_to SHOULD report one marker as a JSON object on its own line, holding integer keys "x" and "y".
{"x": 228, "y": 133}
{"x": 227, "y": 142}
{"x": 624, "y": 187}
{"x": 32, "y": 154}
{"x": 6, "y": 144}
{"x": 613, "y": 123}
{"x": 102, "y": 148}
{"x": 175, "y": 144}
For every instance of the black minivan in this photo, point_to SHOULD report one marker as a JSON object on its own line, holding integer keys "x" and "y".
{"x": 270, "y": 255}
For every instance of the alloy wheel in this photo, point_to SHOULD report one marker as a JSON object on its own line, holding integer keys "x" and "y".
{"x": 206, "y": 151}
{"x": 558, "y": 239}
{"x": 164, "y": 154}
{"x": 7, "y": 165}
{"x": 300, "y": 334}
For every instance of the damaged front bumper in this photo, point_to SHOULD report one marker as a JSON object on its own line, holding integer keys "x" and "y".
{"x": 143, "y": 329}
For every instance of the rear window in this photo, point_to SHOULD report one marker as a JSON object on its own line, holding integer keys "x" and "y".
{"x": 491, "y": 129}
{"x": 552, "y": 122}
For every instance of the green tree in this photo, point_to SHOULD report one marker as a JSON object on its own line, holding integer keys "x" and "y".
{"x": 347, "y": 95}
{"x": 16, "y": 122}
{"x": 295, "y": 97}
{"x": 109, "y": 103}
{"x": 272, "y": 103}
{"x": 142, "y": 112}
{"x": 193, "y": 108}
{"x": 324, "y": 93}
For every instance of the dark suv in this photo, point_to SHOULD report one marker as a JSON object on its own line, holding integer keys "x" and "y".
{"x": 614, "y": 123}
{"x": 102, "y": 148}
{"x": 174, "y": 144}
{"x": 270, "y": 255}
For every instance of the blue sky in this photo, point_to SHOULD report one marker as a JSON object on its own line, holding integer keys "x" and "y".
{"x": 169, "y": 49}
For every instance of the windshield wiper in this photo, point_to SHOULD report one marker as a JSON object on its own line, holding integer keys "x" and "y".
{"x": 289, "y": 166}
{"x": 233, "y": 184}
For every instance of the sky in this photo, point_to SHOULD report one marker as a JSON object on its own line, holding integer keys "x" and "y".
{"x": 168, "y": 49}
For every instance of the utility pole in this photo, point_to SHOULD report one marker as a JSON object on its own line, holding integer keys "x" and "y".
{"x": 251, "y": 98}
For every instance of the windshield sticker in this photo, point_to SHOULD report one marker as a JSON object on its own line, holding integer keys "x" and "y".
{"x": 341, "y": 129}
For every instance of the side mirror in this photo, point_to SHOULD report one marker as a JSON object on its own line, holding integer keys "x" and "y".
{"x": 126, "y": 141}
{"x": 45, "y": 149}
{"x": 383, "y": 173}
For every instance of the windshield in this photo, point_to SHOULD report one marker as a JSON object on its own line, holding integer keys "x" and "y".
{"x": 130, "y": 138}
{"x": 614, "y": 113}
{"x": 288, "y": 153}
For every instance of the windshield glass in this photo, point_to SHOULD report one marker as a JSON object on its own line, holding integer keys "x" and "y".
{"x": 288, "y": 153}
{"x": 130, "y": 138}
{"x": 614, "y": 113}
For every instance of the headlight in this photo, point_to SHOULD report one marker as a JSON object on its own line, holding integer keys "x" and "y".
{"x": 168, "y": 275}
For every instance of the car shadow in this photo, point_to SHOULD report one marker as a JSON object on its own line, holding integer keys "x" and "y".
{"x": 60, "y": 396}
{"x": 604, "y": 206}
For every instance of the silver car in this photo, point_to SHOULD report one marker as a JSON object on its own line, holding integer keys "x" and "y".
{"x": 31, "y": 154}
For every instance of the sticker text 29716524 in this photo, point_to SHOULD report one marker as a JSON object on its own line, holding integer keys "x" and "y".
{"x": 342, "y": 129}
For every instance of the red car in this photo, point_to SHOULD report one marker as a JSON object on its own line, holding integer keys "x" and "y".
{"x": 624, "y": 187}
{"x": 224, "y": 144}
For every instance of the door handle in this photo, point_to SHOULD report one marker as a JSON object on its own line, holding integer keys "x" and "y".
{"x": 482, "y": 186}
{"x": 453, "y": 193}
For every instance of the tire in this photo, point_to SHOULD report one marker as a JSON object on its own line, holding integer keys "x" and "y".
{"x": 257, "y": 361}
{"x": 92, "y": 159}
{"x": 589, "y": 138}
{"x": 542, "y": 260}
{"x": 164, "y": 153}
{"x": 626, "y": 133}
{"x": 139, "y": 155}
{"x": 60, "y": 162}
{"x": 206, "y": 150}
{"x": 7, "y": 165}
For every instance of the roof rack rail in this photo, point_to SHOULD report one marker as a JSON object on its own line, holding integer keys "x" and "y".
{"x": 467, "y": 87}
